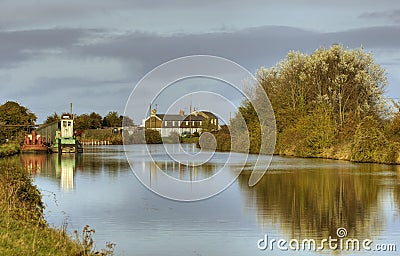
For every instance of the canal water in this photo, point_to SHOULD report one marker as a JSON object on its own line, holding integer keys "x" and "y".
{"x": 296, "y": 199}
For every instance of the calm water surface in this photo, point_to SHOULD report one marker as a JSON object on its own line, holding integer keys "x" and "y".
{"x": 296, "y": 199}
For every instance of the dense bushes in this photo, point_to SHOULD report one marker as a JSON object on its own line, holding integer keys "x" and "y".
{"x": 309, "y": 136}
{"x": 18, "y": 197}
{"x": 371, "y": 145}
{"x": 327, "y": 104}
{"x": 369, "y": 142}
{"x": 153, "y": 136}
{"x": 9, "y": 149}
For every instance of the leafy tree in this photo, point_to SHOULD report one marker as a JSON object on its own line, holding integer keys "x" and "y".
{"x": 127, "y": 121}
{"x": 369, "y": 142}
{"x": 347, "y": 81}
{"x": 318, "y": 99}
{"x": 112, "y": 119}
{"x": 14, "y": 118}
{"x": 82, "y": 122}
{"x": 392, "y": 128}
{"x": 95, "y": 120}
{"x": 53, "y": 118}
{"x": 91, "y": 121}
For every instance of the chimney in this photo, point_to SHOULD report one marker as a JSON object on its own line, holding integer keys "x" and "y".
{"x": 181, "y": 112}
{"x": 195, "y": 113}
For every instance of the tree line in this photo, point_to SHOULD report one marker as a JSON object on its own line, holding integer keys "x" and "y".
{"x": 328, "y": 104}
{"x": 95, "y": 120}
{"x": 15, "y": 119}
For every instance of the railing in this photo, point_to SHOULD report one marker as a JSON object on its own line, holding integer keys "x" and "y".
{"x": 95, "y": 142}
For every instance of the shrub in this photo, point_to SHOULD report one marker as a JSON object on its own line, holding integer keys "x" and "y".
{"x": 153, "y": 136}
{"x": 369, "y": 142}
{"x": 310, "y": 135}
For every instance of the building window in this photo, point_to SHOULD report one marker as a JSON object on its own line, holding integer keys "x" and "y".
{"x": 165, "y": 123}
{"x": 201, "y": 123}
{"x": 187, "y": 122}
{"x": 173, "y": 123}
{"x": 193, "y": 123}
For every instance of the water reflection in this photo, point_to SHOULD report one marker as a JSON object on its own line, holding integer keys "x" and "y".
{"x": 59, "y": 167}
{"x": 313, "y": 201}
{"x": 66, "y": 167}
{"x": 172, "y": 159}
{"x": 34, "y": 163}
{"x": 297, "y": 198}
{"x": 397, "y": 189}
{"x": 182, "y": 171}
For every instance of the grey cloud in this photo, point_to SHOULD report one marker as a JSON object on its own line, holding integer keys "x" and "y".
{"x": 392, "y": 15}
{"x": 373, "y": 37}
{"x": 74, "y": 85}
{"x": 27, "y": 14}
{"x": 250, "y": 47}
{"x": 246, "y": 46}
{"x": 16, "y": 46}
{"x": 93, "y": 13}
{"x": 140, "y": 52}
{"x": 87, "y": 94}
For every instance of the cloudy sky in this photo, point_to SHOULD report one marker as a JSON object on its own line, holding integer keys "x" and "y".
{"x": 93, "y": 53}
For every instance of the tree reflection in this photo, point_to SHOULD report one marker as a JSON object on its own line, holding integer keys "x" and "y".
{"x": 397, "y": 188}
{"x": 315, "y": 202}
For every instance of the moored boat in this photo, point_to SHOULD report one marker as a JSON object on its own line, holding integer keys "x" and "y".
{"x": 34, "y": 143}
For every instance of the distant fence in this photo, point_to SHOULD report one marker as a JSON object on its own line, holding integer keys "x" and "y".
{"x": 95, "y": 142}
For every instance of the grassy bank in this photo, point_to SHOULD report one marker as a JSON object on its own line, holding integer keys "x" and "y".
{"x": 191, "y": 140}
{"x": 369, "y": 141}
{"x": 9, "y": 149}
{"x": 23, "y": 230}
{"x": 100, "y": 135}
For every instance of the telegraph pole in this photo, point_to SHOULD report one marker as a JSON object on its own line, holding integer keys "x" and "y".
{"x": 150, "y": 117}
{"x": 190, "y": 117}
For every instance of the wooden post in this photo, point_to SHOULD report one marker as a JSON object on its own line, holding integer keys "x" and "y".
{"x": 59, "y": 146}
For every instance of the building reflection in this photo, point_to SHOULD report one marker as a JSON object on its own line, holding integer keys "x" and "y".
{"x": 180, "y": 171}
{"x": 314, "y": 203}
{"x": 60, "y": 167}
{"x": 66, "y": 167}
{"x": 34, "y": 163}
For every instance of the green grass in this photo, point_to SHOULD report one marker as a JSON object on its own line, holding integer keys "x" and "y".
{"x": 9, "y": 149}
{"x": 23, "y": 238}
{"x": 23, "y": 230}
{"x": 190, "y": 140}
{"x": 102, "y": 135}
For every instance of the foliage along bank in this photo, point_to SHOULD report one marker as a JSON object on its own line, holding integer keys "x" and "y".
{"x": 23, "y": 229}
{"x": 328, "y": 104}
{"x": 9, "y": 149}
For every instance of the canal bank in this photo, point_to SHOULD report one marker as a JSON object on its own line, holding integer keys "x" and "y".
{"x": 23, "y": 228}
{"x": 9, "y": 149}
{"x": 297, "y": 198}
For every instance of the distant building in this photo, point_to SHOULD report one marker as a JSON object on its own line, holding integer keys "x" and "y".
{"x": 181, "y": 123}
